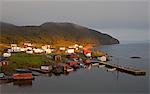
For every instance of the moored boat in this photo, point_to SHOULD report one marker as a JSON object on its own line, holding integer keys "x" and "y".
{"x": 95, "y": 64}
{"x": 70, "y": 69}
{"x": 101, "y": 66}
{"x": 111, "y": 69}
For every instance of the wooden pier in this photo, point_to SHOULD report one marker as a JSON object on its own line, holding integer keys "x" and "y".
{"x": 128, "y": 70}
{"x": 39, "y": 70}
{"x": 124, "y": 69}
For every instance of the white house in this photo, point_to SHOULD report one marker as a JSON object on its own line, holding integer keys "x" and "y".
{"x": 38, "y": 50}
{"x": 6, "y": 54}
{"x": 28, "y": 44}
{"x": 76, "y": 45}
{"x": 13, "y": 45}
{"x": 62, "y": 48}
{"x": 29, "y": 51}
{"x": 80, "y": 46}
{"x": 22, "y": 49}
{"x": 46, "y": 67}
{"x": 15, "y": 49}
{"x": 48, "y": 51}
{"x": 103, "y": 58}
{"x": 70, "y": 51}
{"x": 44, "y": 47}
{"x": 9, "y": 50}
{"x": 28, "y": 48}
{"x": 88, "y": 54}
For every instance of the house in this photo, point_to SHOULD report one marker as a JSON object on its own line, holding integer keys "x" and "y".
{"x": 38, "y": 50}
{"x": 27, "y": 44}
{"x": 48, "y": 51}
{"x": 46, "y": 46}
{"x": 80, "y": 46}
{"x": 29, "y": 51}
{"x": 102, "y": 58}
{"x": 62, "y": 48}
{"x": 46, "y": 67}
{"x": 13, "y": 45}
{"x": 9, "y": 50}
{"x": 87, "y": 53}
{"x": 57, "y": 57}
{"x": 15, "y": 49}
{"x": 28, "y": 48}
{"x": 76, "y": 45}
{"x": 6, "y": 54}
{"x": 4, "y": 63}
{"x": 22, "y": 49}
{"x": 70, "y": 51}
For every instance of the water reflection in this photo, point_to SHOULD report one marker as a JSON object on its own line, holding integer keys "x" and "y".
{"x": 22, "y": 83}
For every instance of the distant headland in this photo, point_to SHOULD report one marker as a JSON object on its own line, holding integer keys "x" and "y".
{"x": 53, "y": 33}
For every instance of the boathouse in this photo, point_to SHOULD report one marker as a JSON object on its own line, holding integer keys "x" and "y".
{"x": 46, "y": 67}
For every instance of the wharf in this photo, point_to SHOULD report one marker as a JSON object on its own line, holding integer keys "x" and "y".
{"x": 128, "y": 70}
{"x": 124, "y": 69}
{"x": 39, "y": 70}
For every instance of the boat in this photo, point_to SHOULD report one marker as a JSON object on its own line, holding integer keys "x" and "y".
{"x": 82, "y": 65}
{"x": 101, "y": 66}
{"x": 95, "y": 64}
{"x": 2, "y": 75}
{"x": 5, "y": 79}
{"x": 111, "y": 69}
{"x": 23, "y": 74}
{"x": 70, "y": 69}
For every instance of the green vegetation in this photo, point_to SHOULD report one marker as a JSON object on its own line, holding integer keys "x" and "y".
{"x": 59, "y": 34}
{"x": 24, "y": 60}
{"x": 98, "y": 54}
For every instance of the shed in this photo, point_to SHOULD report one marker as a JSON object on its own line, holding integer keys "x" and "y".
{"x": 29, "y": 51}
{"x": 62, "y": 48}
{"x": 46, "y": 67}
{"x": 70, "y": 51}
{"x": 57, "y": 57}
{"x": 4, "y": 63}
{"x": 6, "y": 54}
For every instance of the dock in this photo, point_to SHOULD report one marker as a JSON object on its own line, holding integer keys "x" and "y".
{"x": 128, "y": 70}
{"x": 39, "y": 70}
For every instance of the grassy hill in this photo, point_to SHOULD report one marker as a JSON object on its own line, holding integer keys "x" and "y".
{"x": 53, "y": 33}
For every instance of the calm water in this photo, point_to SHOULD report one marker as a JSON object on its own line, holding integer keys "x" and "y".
{"x": 95, "y": 80}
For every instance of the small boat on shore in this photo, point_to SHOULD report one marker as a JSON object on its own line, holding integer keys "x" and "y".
{"x": 95, "y": 64}
{"x": 39, "y": 70}
{"x": 5, "y": 79}
{"x": 69, "y": 69}
{"x": 111, "y": 69}
{"x": 2, "y": 75}
{"x": 101, "y": 66}
{"x": 82, "y": 65}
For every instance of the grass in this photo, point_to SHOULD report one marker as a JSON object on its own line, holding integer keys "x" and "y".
{"x": 23, "y": 60}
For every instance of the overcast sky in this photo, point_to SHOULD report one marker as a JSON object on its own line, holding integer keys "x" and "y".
{"x": 99, "y": 15}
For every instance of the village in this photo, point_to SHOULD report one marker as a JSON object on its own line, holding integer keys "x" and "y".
{"x": 65, "y": 60}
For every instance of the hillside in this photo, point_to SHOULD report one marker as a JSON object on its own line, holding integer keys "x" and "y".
{"x": 53, "y": 33}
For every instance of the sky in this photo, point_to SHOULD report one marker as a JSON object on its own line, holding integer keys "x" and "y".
{"x": 124, "y": 19}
